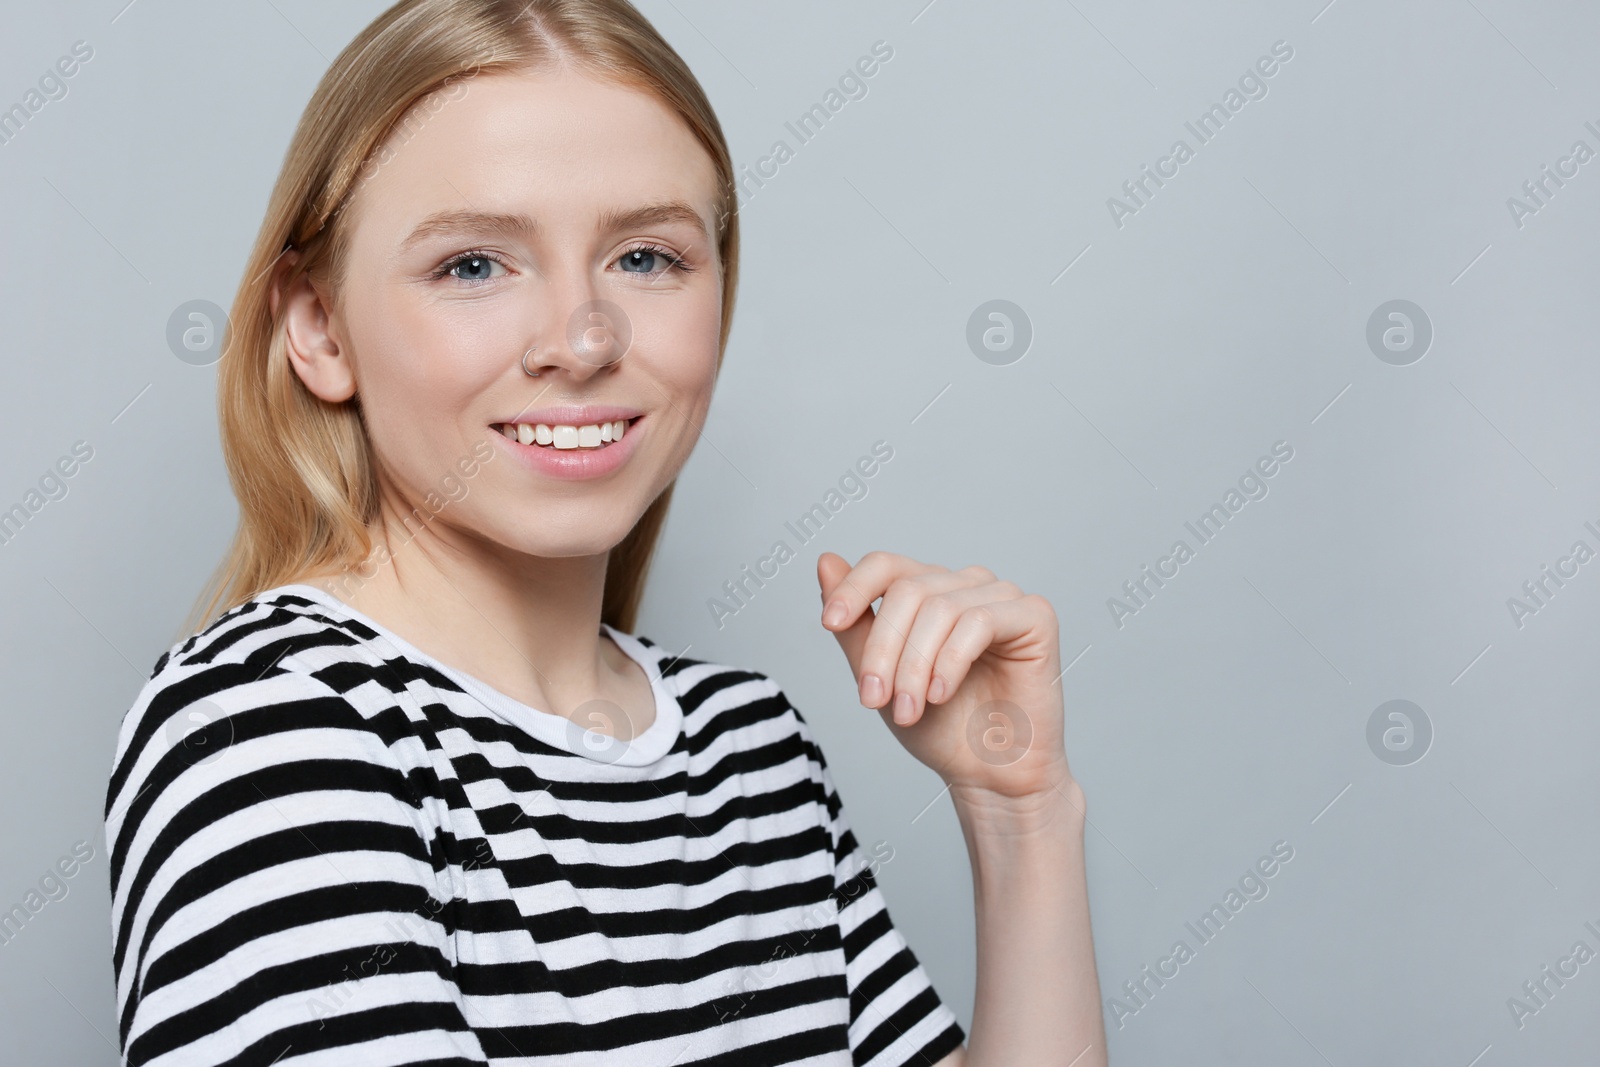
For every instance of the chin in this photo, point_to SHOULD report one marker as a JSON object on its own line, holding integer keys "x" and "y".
{"x": 596, "y": 538}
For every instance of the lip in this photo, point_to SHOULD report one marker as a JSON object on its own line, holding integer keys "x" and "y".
{"x": 573, "y": 464}
{"x": 573, "y": 415}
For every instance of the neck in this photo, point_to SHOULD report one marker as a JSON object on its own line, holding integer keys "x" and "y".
{"x": 528, "y": 626}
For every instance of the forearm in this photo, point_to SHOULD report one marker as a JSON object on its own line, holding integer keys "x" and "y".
{"x": 1038, "y": 996}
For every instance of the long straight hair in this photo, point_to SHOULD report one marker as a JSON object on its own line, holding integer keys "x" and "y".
{"x": 302, "y": 468}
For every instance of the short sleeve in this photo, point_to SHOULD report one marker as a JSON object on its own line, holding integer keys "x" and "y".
{"x": 275, "y": 899}
{"x": 896, "y": 1016}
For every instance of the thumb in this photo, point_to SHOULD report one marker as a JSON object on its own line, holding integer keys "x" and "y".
{"x": 831, "y": 570}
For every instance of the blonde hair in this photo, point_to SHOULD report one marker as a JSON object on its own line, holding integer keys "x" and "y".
{"x": 301, "y": 467}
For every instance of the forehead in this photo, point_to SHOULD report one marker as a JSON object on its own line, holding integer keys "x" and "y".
{"x": 559, "y": 144}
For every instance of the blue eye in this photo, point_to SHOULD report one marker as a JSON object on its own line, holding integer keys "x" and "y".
{"x": 645, "y": 256}
{"x": 477, "y": 268}
{"x": 474, "y": 268}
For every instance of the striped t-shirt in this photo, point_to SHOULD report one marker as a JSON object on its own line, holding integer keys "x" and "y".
{"x": 328, "y": 847}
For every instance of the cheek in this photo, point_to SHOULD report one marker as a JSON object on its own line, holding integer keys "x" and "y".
{"x": 418, "y": 355}
{"x": 683, "y": 353}
{"x": 420, "y": 368}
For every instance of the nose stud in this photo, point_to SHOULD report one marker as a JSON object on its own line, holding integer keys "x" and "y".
{"x": 525, "y": 370}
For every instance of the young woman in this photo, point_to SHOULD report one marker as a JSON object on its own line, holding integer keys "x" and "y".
{"x": 418, "y": 795}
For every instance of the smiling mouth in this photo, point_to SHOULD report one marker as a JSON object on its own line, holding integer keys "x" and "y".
{"x": 563, "y": 437}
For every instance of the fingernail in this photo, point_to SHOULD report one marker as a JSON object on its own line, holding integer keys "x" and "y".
{"x": 872, "y": 691}
{"x": 902, "y": 708}
{"x": 936, "y": 690}
{"x": 835, "y": 613}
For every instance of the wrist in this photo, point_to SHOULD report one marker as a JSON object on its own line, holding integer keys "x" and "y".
{"x": 1057, "y": 803}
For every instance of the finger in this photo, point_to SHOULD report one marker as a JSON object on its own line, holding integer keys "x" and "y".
{"x": 935, "y": 622}
{"x": 848, "y": 597}
{"x": 889, "y": 644}
{"x": 831, "y": 569}
{"x": 866, "y": 582}
{"x": 987, "y": 625}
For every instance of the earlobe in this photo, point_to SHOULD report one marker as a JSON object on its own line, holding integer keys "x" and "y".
{"x": 314, "y": 351}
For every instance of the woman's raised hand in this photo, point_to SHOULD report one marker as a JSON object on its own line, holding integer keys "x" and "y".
{"x": 962, "y": 666}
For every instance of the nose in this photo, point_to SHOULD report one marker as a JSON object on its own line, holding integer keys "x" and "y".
{"x": 592, "y": 335}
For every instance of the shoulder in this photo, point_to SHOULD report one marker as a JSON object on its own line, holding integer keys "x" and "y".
{"x": 277, "y": 645}
{"x": 253, "y": 785}
{"x": 731, "y": 706}
{"x": 241, "y": 694}
{"x": 717, "y": 696}
{"x": 265, "y": 629}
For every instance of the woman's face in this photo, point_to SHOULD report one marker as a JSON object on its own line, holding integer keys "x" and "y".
{"x": 547, "y": 211}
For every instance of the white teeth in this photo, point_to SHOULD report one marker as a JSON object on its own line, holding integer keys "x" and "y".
{"x": 593, "y": 435}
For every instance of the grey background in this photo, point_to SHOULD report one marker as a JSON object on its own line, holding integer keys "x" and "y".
{"x": 1229, "y": 313}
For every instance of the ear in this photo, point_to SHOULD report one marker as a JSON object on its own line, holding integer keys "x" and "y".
{"x": 315, "y": 351}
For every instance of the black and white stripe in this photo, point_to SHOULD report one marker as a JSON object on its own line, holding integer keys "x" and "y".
{"x": 329, "y": 848}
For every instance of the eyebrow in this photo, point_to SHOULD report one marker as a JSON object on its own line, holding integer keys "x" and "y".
{"x": 518, "y": 224}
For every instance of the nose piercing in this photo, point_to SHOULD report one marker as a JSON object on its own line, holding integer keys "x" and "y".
{"x": 525, "y": 370}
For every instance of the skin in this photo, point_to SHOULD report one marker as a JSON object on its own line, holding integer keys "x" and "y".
{"x": 505, "y": 583}
{"x": 436, "y": 361}
{"x": 993, "y": 733}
